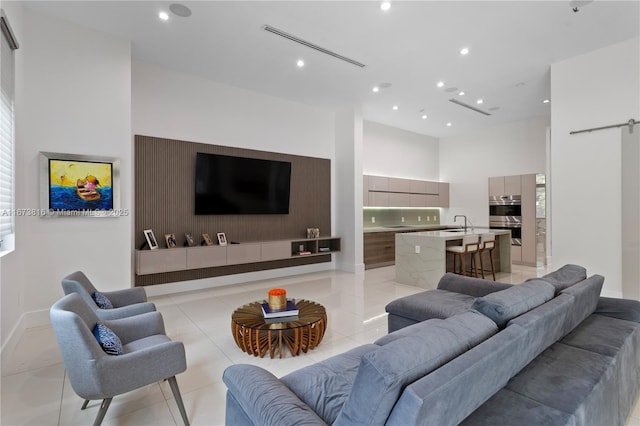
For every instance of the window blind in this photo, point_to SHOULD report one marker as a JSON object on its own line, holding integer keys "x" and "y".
{"x": 7, "y": 141}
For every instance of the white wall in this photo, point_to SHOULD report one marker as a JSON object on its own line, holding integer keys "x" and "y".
{"x": 174, "y": 105}
{"x": 348, "y": 192}
{"x": 383, "y": 146}
{"x": 468, "y": 161}
{"x": 592, "y": 90}
{"x": 74, "y": 96}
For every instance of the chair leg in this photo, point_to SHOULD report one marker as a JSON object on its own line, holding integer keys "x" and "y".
{"x": 84, "y": 404}
{"x": 493, "y": 270}
{"x": 103, "y": 410}
{"x": 463, "y": 266}
{"x": 481, "y": 264}
{"x": 474, "y": 264}
{"x": 176, "y": 395}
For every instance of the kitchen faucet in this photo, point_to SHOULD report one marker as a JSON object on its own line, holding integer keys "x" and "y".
{"x": 465, "y": 220}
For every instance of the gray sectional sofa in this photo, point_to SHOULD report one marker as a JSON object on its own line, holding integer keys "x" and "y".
{"x": 548, "y": 351}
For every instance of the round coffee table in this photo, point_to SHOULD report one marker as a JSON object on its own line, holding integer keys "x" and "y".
{"x": 257, "y": 336}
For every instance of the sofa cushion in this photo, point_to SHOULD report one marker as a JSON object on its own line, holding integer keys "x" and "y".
{"x": 504, "y": 305}
{"x": 572, "y": 380}
{"x": 384, "y": 373}
{"x": 509, "y": 408}
{"x": 430, "y": 304}
{"x": 565, "y": 277}
{"x": 470, "y": 286}
{"x": 464, "y": 324}
{"x": 624, "y": 309}
{"x": 325, "y": 386}
{"x": 586, "y": 295}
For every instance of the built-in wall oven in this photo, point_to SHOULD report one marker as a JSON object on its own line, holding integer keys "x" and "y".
{"x": 505, "y": 212}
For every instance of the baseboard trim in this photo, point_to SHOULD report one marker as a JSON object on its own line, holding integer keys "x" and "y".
{"x": 205, "y": 283}
{"x": 351, "y": 267}
{"x": 26, "y": 321}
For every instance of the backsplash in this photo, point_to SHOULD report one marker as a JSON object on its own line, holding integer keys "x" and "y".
{"x": 393, "y": 216}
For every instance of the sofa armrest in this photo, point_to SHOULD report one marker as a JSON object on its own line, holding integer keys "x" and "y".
{"x": 470, "y": 286}
{"x": 265, "y": 399}
{"x": 625, "y": 309}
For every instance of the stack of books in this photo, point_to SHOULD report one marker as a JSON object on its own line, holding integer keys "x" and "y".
{"x": 303, "y": 252}
{"x": 291, "y": 310}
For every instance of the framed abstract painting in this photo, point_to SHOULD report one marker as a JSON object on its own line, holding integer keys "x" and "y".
{"x": 79, "y": 185}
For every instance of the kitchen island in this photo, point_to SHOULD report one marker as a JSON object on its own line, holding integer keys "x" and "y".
{"x": 421, "y": 257}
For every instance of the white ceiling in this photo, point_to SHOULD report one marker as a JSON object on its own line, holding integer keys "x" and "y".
{"x": 412, "y": 46}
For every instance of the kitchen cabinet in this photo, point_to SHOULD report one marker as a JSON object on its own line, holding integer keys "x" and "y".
{"x": 525, "y": 186}
{"x": 378, "y": 199}
{"x": 528, "y": 191}
{"x": 378, "y": 183}
{"x": 379, "y": 249}
{"x": 443, "y": 194}
{"x": 512, "y": 185}
{"x": 382, "y": 191}
{"x": 365, "y": 191}
{"x": 496, "y": 186}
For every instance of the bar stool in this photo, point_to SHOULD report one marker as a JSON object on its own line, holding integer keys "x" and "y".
{"x": 469, "y": 245}
{"x": 487, "y": 243}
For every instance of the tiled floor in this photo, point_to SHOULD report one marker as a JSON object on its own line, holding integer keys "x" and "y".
{"x": 35, "y": 390}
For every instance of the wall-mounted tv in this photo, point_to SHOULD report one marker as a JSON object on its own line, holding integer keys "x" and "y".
{"x": 238, "y": 185}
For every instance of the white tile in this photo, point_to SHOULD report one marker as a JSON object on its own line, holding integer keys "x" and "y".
{"x": 32, "y": 397}
{"x": 206, "y": 406}
{"x": 37, "y": 348}
{"x": 121, "y": 405}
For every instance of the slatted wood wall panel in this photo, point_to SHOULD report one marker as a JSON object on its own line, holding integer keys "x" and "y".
{"x": 164, "y": 202}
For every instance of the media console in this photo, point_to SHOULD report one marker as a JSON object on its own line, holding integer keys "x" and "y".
{"x": 186, "y": 258}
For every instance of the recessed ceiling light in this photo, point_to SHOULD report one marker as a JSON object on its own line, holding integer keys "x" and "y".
{"x": 376, "y": 89}
{"x": 479, "y": 101}
{"x": 464, "y": 51}
{"x": 300, "y": 63}
{"x": 546, "y": 101}
{"x": 424, "y": 116}
{"x": 163, "y": 15}
{"x": 461, "y": 93}
{"x": 440, "y": 84}
{"x": 385, "y": 5}
{"x": 449, "y": 124}
{"x": 395, "y": 107}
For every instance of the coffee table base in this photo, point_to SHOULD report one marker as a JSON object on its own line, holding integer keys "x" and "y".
{"x": 261, "y": 342}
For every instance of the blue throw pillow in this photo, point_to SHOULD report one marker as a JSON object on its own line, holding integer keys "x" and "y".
{"x": 110, "y": 343}
{"x": 102, "y": 301}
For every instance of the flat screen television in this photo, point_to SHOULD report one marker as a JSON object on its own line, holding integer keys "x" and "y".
{"x": 239, "y": 185}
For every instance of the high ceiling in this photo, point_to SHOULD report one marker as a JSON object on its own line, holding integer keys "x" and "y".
{"x": 412, "y": 46}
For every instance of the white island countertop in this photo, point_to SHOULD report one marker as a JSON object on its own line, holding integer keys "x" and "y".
{"x": 421, "y": 256}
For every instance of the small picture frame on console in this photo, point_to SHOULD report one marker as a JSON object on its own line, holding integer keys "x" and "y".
{"x": 222, "y": 239}
{"x": 189, "y": 240}
{"x": 171, "y": 240}
{"x": 313, "y": 233}
{"x": 207, "y": 239}
{"x": 151, "y": 239}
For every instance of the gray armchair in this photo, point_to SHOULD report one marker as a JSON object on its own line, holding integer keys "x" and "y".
{"x": 148, "y": 355}
{"x": 126, "y": 303}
